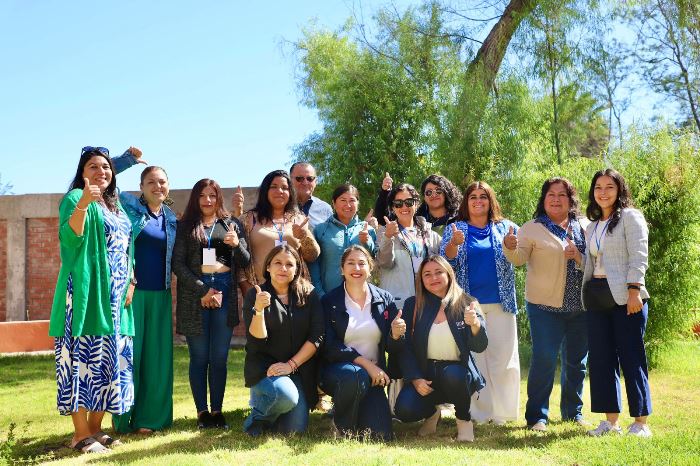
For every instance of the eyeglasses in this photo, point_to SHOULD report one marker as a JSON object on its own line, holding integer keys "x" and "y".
{"x": 398, "y": 203}
{"x": 102, "y": 150}
{"x": 309, "y": 179}
{"x": 436, "y": 191}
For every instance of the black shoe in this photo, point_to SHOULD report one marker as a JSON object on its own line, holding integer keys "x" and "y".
{"x": 205, "y": 420}
{"x": 218, "y": 420}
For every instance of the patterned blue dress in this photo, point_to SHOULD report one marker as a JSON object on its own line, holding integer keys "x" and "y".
{"x": 95, "y": 372}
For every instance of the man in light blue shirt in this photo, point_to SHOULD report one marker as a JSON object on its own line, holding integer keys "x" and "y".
{"x": 304, "y": 179}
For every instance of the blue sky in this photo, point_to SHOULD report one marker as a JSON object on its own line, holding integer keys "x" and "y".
{"x": 205, "y": 89}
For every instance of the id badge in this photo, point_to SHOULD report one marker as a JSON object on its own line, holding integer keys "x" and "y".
{"x": 280, "y": 243}
{"x": 208, "y": 256}
{"x": 416, "y": 263}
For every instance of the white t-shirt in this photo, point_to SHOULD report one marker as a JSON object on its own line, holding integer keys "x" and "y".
{"x": 597, "y": 246}
{"x": 363, "y": 333}
{"x": 441, "y": 343}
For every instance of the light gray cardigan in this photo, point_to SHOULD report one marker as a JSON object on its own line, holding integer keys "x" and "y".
{"x": 625, "y": 254}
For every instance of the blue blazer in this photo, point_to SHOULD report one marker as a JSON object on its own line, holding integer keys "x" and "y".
{"x": 414, "y": 357}
{"x": 336, "y": 318}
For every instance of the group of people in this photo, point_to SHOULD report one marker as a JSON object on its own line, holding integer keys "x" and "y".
{"x": 315, "y": 321}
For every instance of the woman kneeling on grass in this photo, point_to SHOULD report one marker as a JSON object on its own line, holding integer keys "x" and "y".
{"x": 284, "y": 329}
{"x": 443, "y": 329}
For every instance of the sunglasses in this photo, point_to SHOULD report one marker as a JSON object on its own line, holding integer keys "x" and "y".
{"x": 309, "y": 179}
{"x": 102, "y": 150}
{"x": 436, "y": 191}
{"x": 398, "y": 203}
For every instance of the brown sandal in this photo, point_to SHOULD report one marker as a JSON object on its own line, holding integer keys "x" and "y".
{"x": 106, "y": 440}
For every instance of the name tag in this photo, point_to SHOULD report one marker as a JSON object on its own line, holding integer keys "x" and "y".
{"x": 280, "y": 243}
{"x": 208, "y": 256}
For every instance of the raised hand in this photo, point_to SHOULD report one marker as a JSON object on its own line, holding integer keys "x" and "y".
{"x": 136, "y": 152}
{"x": 91, "y": 193}
{"x": 510, "y": 241}
{"x": 231, "y": 237}
{"x": 364, "y": 234}
{"x": 387, "y": 182}
{"x": 262, "y": 299}
{"x": 470, "y": 316}
{"x": 457, "y": 236}
{"x": 238, "y": 201}
{"x": 298, "y": 231}
{"x": 371, "y": 219}
{"x": 392, "y": 228}
{"x": 398, "y": 326}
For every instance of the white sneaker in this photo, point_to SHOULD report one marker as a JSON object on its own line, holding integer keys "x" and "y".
{"x": 639, "y": 430}
{"x": 604, "y": 428}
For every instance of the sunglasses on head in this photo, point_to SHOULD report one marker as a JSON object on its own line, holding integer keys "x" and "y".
{"x": 436, "y": 191}
{"x": 300, "y": 179}
{"x": 102, "y": 150}
{"x": 398, "y": 203}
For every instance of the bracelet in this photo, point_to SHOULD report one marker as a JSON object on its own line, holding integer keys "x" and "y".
{"x": 293, "y": 364}
{"x": 82, "y": 210}
{"x": 633, "y": 287}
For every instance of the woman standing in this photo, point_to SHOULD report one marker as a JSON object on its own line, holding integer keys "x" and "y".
{"x": 444, "y": 328}
{"x": 362, "y": 325}
{"x": 155, "y": 225}
{"x": 210, "y": 249}
{"x": 335, "y": 235}
{"x": 403, "y": 244}
{"x": 284, "y": 329}
{"x": 441, "y": 200}
{"x": 473, "y": 247}
{"x": 92, "y": 325}
{"x": 275, "y": 220}
{"x": 615, "y": 298}
{"x": 552, "y": 245}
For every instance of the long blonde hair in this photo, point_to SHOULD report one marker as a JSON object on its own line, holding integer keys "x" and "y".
{"x": 456, "y": 300}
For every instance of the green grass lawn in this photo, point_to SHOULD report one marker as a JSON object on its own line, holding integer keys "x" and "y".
{"x": 28, "y": 391}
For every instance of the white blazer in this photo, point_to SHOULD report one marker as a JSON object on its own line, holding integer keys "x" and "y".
{"x": 625, "y": 254}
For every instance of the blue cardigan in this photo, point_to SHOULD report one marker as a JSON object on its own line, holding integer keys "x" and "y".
{"x": 504, "y": 269}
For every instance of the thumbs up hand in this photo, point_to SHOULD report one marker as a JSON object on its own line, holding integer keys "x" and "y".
{"x": 298, "y": 231}
{"x": 231, "y": 237}
{"x": 510, "y": 241}
{"x": 392, "y": 228}
{"x": 91, "y": 193}
{"x": 136, "y": 152}
{"x": 371, "y": 219}
{"x": 457, "y": 236}
{"x": 238, "y": 200}
{"x": 262, "y": 299}
{"x": 387, "y": 182}
{"x": 571, "y": 252}
{"x": 398, "y": 326}
{"x": 470, "y": 316}
{"x": 364, "y": 234}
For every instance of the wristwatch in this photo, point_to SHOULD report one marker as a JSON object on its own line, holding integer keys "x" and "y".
{"x": 633, "y": 287}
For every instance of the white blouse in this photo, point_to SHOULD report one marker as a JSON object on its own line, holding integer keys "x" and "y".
{"x": 362, "y": 334}
{"x": 441, "y": 343}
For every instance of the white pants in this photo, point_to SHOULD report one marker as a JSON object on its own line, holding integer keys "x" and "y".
{"x": 499, "y": 400}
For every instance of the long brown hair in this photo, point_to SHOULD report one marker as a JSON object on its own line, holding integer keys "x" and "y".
{"x": 624, "y": 198}
{"x": 456, "y": 300}
{"x": 300, "y": 286}
{"x": 192, "y": 217}
{"x": 495, "y": 214}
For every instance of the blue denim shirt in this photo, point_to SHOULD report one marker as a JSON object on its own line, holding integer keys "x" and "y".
{"x": 334, "y": 238}
{"x": 504, "y": 269}
{"x": 138, "y": 213}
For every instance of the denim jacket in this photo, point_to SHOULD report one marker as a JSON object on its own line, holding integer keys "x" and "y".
{"x": 334, "y": 237}
{"x": 138, "y": 212}
{"x": 504, "y": 269}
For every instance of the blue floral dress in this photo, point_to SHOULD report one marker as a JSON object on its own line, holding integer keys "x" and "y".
{"x": 95, "y": 371}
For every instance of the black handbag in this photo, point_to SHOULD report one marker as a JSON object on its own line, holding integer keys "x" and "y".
{"x": 597, "y": 295}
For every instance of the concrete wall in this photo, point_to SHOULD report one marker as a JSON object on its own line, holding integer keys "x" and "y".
{"x": 29, "y": 251}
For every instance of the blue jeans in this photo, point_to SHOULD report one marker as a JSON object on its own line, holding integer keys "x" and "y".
{"x": 209, "y": 350}
{"x": 552, "y": 333}
{"x": 617, "y": 339}
{"x": 278, "y": 404}
{"x": 358, "y": 406}
{"x": 450, "y": 383}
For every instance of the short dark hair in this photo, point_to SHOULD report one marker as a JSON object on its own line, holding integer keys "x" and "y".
{"x": 299, "y": 164}
{"x": 570, "y": 192}
{"x": 624, "y": 198}
{"x": 345, "y": 188}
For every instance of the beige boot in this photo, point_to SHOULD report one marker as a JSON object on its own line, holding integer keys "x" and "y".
{"x": 465, "y": 431}
{"x": 430, "y": 424}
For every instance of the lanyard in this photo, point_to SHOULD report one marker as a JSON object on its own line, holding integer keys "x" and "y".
{"x": 602, "y": 232}
{"x": 280, "y": 231}
{"x": 213, "y": 225}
